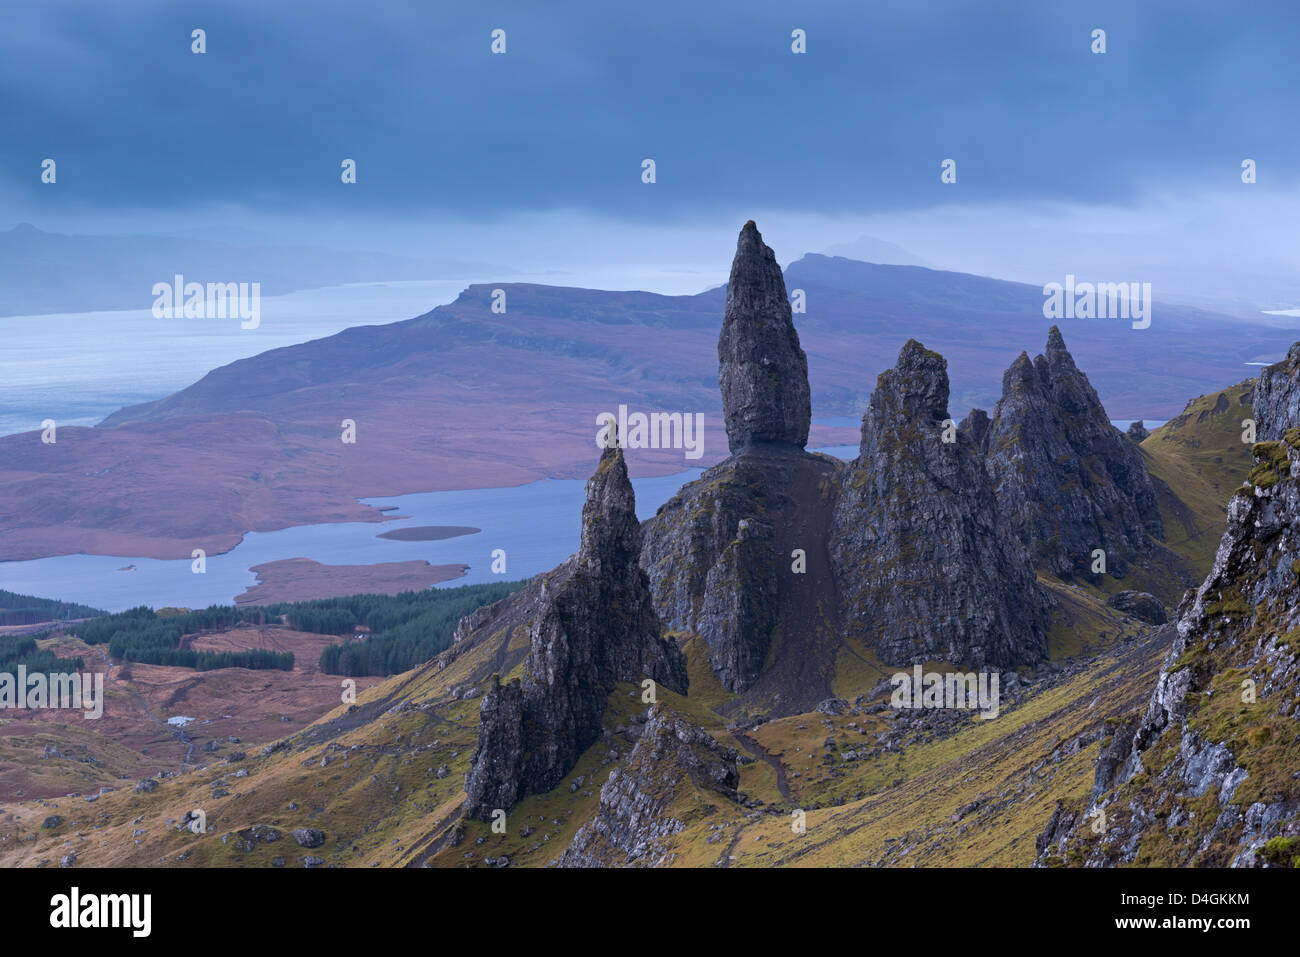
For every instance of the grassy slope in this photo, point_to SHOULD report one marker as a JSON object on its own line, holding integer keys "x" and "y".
{"x": 1202, "y": 459}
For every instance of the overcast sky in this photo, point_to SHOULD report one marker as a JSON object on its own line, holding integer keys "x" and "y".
{"x": 1127, "y": 162}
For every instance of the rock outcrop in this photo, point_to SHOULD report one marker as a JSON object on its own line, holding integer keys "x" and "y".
{"x": 1277, "y": 397}
{"x": 1067, "y": 481}
{"x": 1139, "y": 605}
{"x": 922, "y": 566}
{"x": 592, "y": 626}
{"x": 647, "y": 800}
{"x": 1207, "y": 774}
{"x": 762, "y": 371}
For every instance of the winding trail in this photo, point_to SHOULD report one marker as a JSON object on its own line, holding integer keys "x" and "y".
{"x": 725, "y": 859}
{"x": 767, "y": 757}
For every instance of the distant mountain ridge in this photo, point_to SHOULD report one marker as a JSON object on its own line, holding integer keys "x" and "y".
{"x": 969, "y": 319}
{"x": 873, "y": 250}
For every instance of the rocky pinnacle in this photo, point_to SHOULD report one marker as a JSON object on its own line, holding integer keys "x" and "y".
{"x": 923, "y": 568}
{"x": 591, "y": 625}
{"x": 1067, "y": 481}
{"x": 762, "y": 371}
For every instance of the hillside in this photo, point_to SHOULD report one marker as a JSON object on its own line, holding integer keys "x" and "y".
{"x": 1199, "y": 455}
{"x": 1205, "y": 774}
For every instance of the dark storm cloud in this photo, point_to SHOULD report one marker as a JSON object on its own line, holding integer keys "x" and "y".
{"x": 711, "y": 91}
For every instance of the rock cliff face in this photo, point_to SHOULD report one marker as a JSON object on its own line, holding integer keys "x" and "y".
{"x": 762, "y": 371}
{"x": 1207, "y": 774}
{"x": 592, "y": 626}
{"x": 922, "y": 566}
{"x": 644, "y": 802}
{"x": 1277, "y": 397}
{"x": 722, "y": 555}
{"x": 1067, "y": 482}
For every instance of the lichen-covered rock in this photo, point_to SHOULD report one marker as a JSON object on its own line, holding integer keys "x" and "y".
{"x": 1139, "y": 605}
{"x": 1207, "y": 774}
{"x": 923, "y": 568}
{"x": 762, "y": 371}
{"x": 592, "y": 626}
{"x": 642, "y": 804}
{"x": 1067, "y": 481}
{"x": 308, "y": 836}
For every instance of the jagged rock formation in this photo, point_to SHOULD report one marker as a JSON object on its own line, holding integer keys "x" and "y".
{"x": 1277, "y": 397}
{"x": 641, "y": 805}
{"x": 1207, "y": 774}
{"x": 922, "y": 546}
{"x": 762, "y": 371}
{"x": 592, "y": 626}
{"x": 1137, "y": 431}
{"x": 1067, "y": 481}
{"x": 925, "y": 547}
{"x": 921, "y": 564}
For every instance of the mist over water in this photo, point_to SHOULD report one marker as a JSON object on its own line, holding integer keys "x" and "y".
{"x": 77, "y": 368}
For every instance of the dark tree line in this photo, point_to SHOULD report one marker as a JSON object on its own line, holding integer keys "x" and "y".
{"x": 15, "y": 651}
{"x": 404, "y": 630}
{"x": 143, "y": 635}
{"x": 18, "y": 609}
{"x": 405, "y": 635}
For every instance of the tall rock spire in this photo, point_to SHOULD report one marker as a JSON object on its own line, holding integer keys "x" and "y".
{"x": 762, "y": 371}
{"x": 719, "y": 552}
